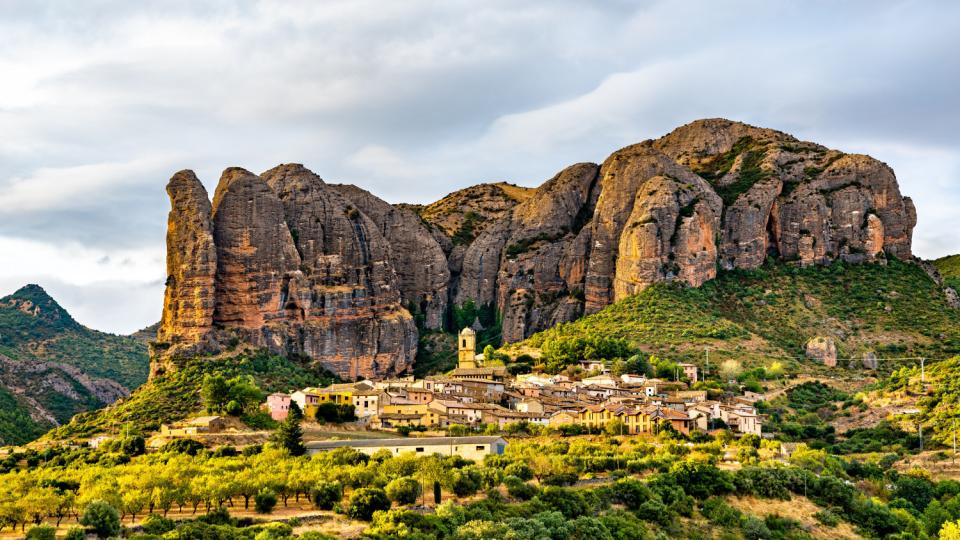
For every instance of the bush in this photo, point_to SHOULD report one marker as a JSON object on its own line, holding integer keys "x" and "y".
{"x": 326, "y": 495}
{"x": 154, "y": 524}
{"x": 42, "y": 532}
{"x": 519, "y": 469}
{"x": 403, "y": 490}
{"x": 265, "y": 500}
{"x": 189, "y": 447}
{"x": 102, "y": 518}
{"x": 464, "y": 482}
{"x": 365, "y": 501}
{"x": 518, "y": 489}
{"x": 76, "y": 533}
{"x": 568, "y": 502}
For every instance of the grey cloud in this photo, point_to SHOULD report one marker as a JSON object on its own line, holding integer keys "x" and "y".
{"x": 415, "y": 99}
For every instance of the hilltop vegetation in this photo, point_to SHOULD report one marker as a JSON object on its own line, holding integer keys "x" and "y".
{"x": 175, "y": 395}
{"x": 949, "y": 268}
{"x": 52, "y": 367}
{"x": 894, "y": 310}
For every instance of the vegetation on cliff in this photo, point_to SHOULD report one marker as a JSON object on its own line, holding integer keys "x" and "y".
{"x": 949, "y": 268}
{"x": 175, "y": 395}
{"x": 894, "y": 310}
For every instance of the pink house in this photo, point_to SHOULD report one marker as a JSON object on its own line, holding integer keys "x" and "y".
{"x": 278, "y": 405}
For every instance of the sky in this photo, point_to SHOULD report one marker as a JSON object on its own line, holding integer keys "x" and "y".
{"x": 102, "y": 101}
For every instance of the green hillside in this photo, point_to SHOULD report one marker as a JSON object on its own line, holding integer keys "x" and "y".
{"x": 949, "y": 268}
{"x": 34, "y": 326}
{"x": 174, "y": 396}
{"x": 52, "y": 367}
{"x": 894, "y": 310}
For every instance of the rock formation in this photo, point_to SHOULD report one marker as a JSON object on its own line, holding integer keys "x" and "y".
{"x": 419, "y": 258}
{"x": 822, "y": 349}
{"x": 285, "y": 261}
{"x": 299, "y": 270}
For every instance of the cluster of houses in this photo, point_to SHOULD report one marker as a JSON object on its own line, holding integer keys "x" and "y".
{"x": 474, "y": 395}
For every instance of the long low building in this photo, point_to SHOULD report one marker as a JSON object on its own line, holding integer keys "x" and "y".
{"x": 466, "y": 447}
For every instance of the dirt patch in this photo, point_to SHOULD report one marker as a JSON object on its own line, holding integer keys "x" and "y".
{"x": 799, "y": 509}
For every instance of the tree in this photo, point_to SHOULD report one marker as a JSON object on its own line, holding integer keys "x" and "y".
{"x": 326, "y": 494}
{"x": 365, "y": 501}
{"x": 950, "y": 531}
{"x": 730, "y": 370}
{"x": 701, "y": 480}
{"x": 404, "y": 490}
{"x": 775, "y": 370}
{"x": 265, "y": 501}
{"x": 290, "y": 435}
{"x": 615, "y": 426}
{"x": 215, "y": 392}
{"x": 489, "y": 354}
{"x": 102, "y": 518}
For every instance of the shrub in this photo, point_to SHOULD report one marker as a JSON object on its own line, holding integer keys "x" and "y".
{"x": 464, "y": 482}
{"x": 326, "y": 494}
{"x": 365, "y": 501}
{"x": 189, "y": 447}
{"x": 76, "y": 533}
{"x": 42, "y": 532}
{"x": 518, "y": 489}
{"x": 519, "y": 469}
{"x": 404, "y": 490}
{"x": 154, "y": 524}
{"x": 102, "y": 518}
{"x": 568, "y": 502}
{"x": 720, "y": 513}
{"x": 265, "y": 500}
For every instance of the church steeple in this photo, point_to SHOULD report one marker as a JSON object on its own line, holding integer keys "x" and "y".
{"x": 467, "y": 349}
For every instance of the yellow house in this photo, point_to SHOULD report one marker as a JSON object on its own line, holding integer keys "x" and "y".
{"x": 635, "y": 420}
{"x": 341, "y": 394}
{"x": 428, "y": 416}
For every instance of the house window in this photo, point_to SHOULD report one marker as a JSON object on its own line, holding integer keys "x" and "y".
{"x": 480, "y": 448}
{"x": 420, "y": 449}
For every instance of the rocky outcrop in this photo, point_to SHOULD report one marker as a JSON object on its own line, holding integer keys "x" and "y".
{"x": 415, "y": 253}
{"x": 711, "y": 195}
{"x": 326, "y": 271}
{"x": 191, "y": 264}
{"x": 299, "y": 270}
{"x": 822, "y": 349}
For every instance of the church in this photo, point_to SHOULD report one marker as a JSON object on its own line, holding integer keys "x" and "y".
{"x": 470, "y": 365}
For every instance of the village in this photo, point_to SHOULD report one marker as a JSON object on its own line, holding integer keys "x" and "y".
{"x": 475, "y": 400}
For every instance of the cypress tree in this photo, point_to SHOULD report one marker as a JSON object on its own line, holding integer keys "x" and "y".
{"x": 290, "y": 435}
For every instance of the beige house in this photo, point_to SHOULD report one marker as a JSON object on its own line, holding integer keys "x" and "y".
{"x": 475, "y": 448}
{"x": 196, "y": 426}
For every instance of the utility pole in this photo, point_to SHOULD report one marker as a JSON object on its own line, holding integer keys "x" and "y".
{"x": 954, "y": 440}
{"x": 706, "y": 371}
{"x": 920, "y": 431}
{"x": 922, "y": 372}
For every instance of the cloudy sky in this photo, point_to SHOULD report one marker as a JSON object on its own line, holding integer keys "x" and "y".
{"x": 101, "y": 101}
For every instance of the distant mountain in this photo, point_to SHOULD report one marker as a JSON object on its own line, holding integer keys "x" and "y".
{"x": 52, "y": 367}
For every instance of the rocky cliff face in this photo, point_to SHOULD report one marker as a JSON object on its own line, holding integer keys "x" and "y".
{"x": 285, "y": 261}
{"x": 711, "y": 195}
{"x": 299, "y": 270}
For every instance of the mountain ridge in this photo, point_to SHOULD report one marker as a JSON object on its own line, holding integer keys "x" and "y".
{"x": 52, "y": 367}
{"x": 710, "y": 195}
